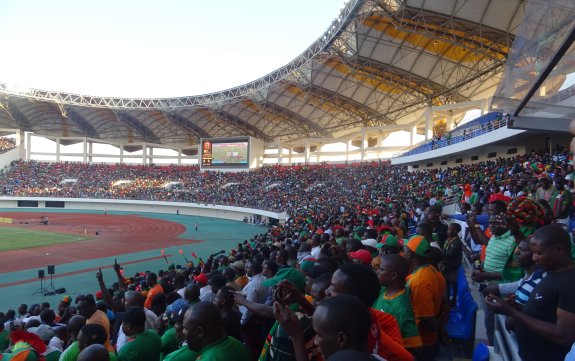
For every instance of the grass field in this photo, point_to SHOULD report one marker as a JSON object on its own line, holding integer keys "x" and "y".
{"x": 16, "y": 238}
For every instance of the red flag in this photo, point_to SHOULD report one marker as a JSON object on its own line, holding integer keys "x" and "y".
{"x": 194, "y": 255}
{"x": 163, "y": 252}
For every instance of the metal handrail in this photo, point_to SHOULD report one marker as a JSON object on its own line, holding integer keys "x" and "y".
{"x": 505, "y": 342}
{"x": 458, "y": 136}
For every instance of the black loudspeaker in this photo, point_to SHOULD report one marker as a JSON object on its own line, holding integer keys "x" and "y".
{"x": 51, "y": 270}
{"x": 59, "y": 291}
{"x": 50, "y": 293}
{"x": 40, "y": 273}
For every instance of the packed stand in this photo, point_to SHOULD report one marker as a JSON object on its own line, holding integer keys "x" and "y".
{"x": 7, "y": 144}
{"x": 366, "y": 267}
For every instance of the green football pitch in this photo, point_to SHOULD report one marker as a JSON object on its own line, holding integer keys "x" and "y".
{"x": 14, "y": 238}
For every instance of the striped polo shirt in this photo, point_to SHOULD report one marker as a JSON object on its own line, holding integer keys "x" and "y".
{"x": 498, "y": 251}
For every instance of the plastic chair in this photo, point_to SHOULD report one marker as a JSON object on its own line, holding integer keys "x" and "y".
{"x": 461, "y": 324}
{"x": 481, "y": 353}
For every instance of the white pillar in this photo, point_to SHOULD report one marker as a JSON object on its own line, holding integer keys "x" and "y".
{"x": 84, "y": 150}
{"x": 290, "y": 155}
{"x": 280, "y": 153}
{"x": 90, "y": 151}
{"x": 21, "y": 143}
{"x": 144, "y": 151}
{"x": 28, "y": 145}
{"x": 450, "y": 121}
{"x": 347, "y": 145}
{"x": 151, "y": 155}
{"x": 57, "y": 149}
{"x": 306, "y": 152}
{"x": 121, "y": 154}
{"x": 412, "y": 134}
{"x": 428, "y": 123}
{"x": 179, "y": 156}
{"x": 363, "y": 143}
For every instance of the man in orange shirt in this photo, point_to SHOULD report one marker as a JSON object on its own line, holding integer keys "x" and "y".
{"x": 427, "y": 291}
{"x": 155, "y": 289}
{"x": 87, "y": 308}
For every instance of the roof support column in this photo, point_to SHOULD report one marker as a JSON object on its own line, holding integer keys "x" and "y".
{"x": 121, "y": 154}
{"x": 363, "y": 143}
{"x": 428, "y": 123}
{"x": 179, "y": 156}
{"x": 379, "y": 142}
{"x": 290, "y": 155}
{"x": 144, "y": 150}
{"x": 306, "y": 152}
{"x": 412, "y": 135}
{"x": 90, "y": 151}
{"x": 280, "y": 153}
{"x": 28, "y": 145}
{"x": 84, "y": 150}
{"x": 450, "y": 121}
{"x": 484, "y": 104}
{"x": 21, "y": 143}
{"x": 57, "y": 149}
{"x": 347, "y": 144}
{"x": 151, "y": 155}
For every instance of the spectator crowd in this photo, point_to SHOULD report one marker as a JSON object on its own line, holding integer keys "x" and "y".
{"x": 365, "y": 268}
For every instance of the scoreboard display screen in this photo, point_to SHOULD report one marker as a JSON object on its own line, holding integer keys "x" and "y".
{"x": 225, "y": 153}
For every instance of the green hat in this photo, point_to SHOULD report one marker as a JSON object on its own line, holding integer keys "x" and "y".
{"x": 288, "y": 273}
{"x": 418, "y": 245}
{"x": 307, "y": 264}
{"x": 388, "y": 240}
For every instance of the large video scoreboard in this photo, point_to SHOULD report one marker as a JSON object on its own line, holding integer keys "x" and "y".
{"x": 225, "y": 153}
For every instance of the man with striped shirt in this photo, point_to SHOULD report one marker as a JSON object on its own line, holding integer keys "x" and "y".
{"x": 498, "y": 256}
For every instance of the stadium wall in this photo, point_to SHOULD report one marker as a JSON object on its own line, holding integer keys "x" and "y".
{"x": 11, "y": 155}
{"x": 193, "y": 209}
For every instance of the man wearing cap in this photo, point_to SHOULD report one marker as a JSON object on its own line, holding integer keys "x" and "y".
{"x": 64, "y": 309}
{"x": 241, "y": 279}
{"x": 278, "y": 345}
{"x": 361, "y": 256}
{"x": 546, "y": 189}
{"x": 46, "y": 333}
{"x": 205, "y": 289}
{"x": 389, "y": 244}
{"x": 427, "y": 292}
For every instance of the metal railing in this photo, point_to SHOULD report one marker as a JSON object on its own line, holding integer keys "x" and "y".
{"x": 505, "y": 342}
{"x": 457, "y": 136}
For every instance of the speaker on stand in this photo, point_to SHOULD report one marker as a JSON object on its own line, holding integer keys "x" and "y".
{"x": 51, "y": 287}
{"x": 41, "y": 290}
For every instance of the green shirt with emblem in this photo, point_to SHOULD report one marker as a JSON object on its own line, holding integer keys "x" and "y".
{"x": 145, "y": 346}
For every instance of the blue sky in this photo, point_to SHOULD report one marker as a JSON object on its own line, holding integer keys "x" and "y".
{"x": 153, "y": 48}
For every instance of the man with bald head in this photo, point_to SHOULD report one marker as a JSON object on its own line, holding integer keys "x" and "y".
{"x": 205, "y": 335}
{"x": 74, "y": 325}
{"x": 142, "y": 345}
{"x": 87, "y": 308}
{"x": 134, "y": 298}
{"x": 95, "y": 352}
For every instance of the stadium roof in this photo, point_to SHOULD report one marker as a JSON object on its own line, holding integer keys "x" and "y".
{"x": 380, "y": 63}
